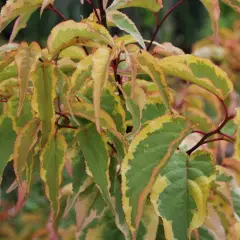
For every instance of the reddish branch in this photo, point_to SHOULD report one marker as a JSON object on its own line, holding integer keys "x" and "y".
{"x": 159, "y": 24}
{"x": 102, "y": 13}
{"x": 224, "y": 137}
{"x": 52, "y": 8}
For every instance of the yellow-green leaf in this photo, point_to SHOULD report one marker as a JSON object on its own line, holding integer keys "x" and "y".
{"x": 7, "y": 139}
{"x": 52, "y": 160}
{"x": 24, "y": 143}
{"x": 44, "y": 82}
{"x": 70, "y": 32}
{"x": 73, "y": 52}
{"x": 100, "y": 70}
{"x": 150, "y": 66}
{"x": 148, "y": 152}
{"x": 197, "y": 70}
{"x": 152, "y": 5}
{"x": 14, "y": 8}
{"x": 26, "y": 60}
{"x": 181, "y": 191}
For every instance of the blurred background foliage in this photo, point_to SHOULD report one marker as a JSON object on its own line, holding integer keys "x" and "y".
{"x": 186, "y": 25}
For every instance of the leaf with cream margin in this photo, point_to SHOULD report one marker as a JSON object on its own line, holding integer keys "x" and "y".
{"x": 14, "y": 8}
{"x": 148, "y": 152}
{"x": 152, "y": 5}
{"x": 167, "y": 49}
{"x": 150, "y": 66}
{"x": 181, "y": 191}
{"x": 235, "y": 4}
{"x": 69, "y": 32}
{"x": 100, "y": 70}
{"x": 7, "y": 54}
{"x": 7, "y": 139}
{"x": 94, "y": 148}
{"x": 213, "y": 9}
{"x": 24, "y": 143}
{"x": 52, "y": 159}
{"x": 20, "y": 23}
{"x": 73, "y": 52}
{"x": 26, "y": 60}
{"x": 44, "y": 85}
{"x": 123, "y": 22}
{"x": 45, "y": 3}
{"x": 197, "y": 70}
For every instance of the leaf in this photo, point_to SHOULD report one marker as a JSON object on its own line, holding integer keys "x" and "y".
{"x": 7, "y": 54}
{"x": 25, "y": 116}
{"x": 181, "y": 191}
{"x": 7, "y": 139}
{"x": 69, "y": 32}
{"x": 149, "y": 65}
{"x": 20, "y": 23}
{"x": 14, "y": 8}
{"x": 52, "y": 160}
{"x": 45, "y": 3}
{"x": 204, "y": 234}
{"x": 100, "y": 70}
{"x": 44, "y": 83}
{"x": 26, "y": 60}
{"x": 167, "y": 49}
{"x": 235, "y": 4}
{"x": 236, "y": 201}
{"x": 24, "y": 143}
{"x": 73, "y": 52}
{"x": 94, "y": 148}
{"x": 123, "y": 22}
{"x": 199, "y": 71}
{"x": 148, "y": 152}
{"x": 237, "y": 142}
{"x": 152, "y": 5}
{"x": 8, "y": 72}
{"x": 213, "y": 9}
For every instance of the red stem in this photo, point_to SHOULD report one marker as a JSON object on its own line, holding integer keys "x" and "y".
{"x": 162, "y": 21}
{"x": 52, "y": 8}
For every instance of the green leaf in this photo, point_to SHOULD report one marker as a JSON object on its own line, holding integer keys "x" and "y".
{"x": 8, "y": 72}
{"x": 213, "y": 9}
{"x": 123, "y": 22}
{"x": 152, "y": 5}
{"x": 236, "y": 201}
{"x": 24, "y": 143}
{"x": 223, "y": 178}
{"x": 7, "y": 139}
{"x": 44, "y": 82}
{"x": 20, "y": 23}
{"x": 235, "y": 4}
{"x": 100, "y": 70}
{"x": 69, "y": 32}
{"x": 199, "y": 71}
{"x": 230, "y": 128}
{"x": 181, "y": 191}
{"x": 237, "y": 142}
{"x": 94, "y": 148}
{"x": 149, "y": 65}
{"x": 52, "y": 160}
{"x": 148, "y": 152}
{"x": 14, "y": 8}
{"x": 25, "y": 116}
{"x": 26, "y": 60}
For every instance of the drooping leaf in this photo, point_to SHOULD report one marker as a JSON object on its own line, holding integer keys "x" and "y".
{"x": 94, "y": 148}
{"x": 52, "y": 160}
{"x": 26, "y": 60}
{"x": 181, "y": 191}
{"x": 45, "y": 3}
{"x": 44, "y": 82}
{"x": 150, "y": 66}
{"x": 14, "y": 8}
{"x": 70, "y": 32}
{"x": 73, "y": 52}
{"x": 167, "y": 49}
{"x": 100, "y": 70}
{"x": 235, "y": 4}
{"x": 200, "y": 71}
{"x": 148, "y": 152}
{"x": 152, "y": 5}
{"x": 213, "y": 9}
{"x": 7, "y": 139}
{"x": 123, "y": 22}
{"x": 25, "y": 116}
{"x": 24, "y": 143}
{"x": 20, "y": 23}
